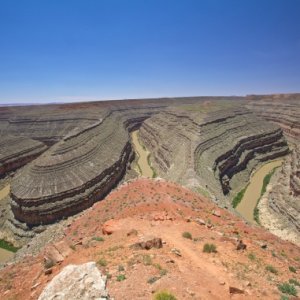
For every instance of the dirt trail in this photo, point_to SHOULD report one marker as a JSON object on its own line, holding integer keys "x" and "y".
{"x": 252, "y": 194}
{"x": 143, "y": 154}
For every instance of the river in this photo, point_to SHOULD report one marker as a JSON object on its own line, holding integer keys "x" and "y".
{"x": 144, "y": 167}
{"x": 5, "y": 254}
{"x": 252, "y": 194}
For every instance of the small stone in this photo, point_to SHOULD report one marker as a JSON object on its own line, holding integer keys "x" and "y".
{"x": 264, "y": 246}
{"x": 48, "y": 271}
{"x": 170, "y": 261}
{"x": 188, "y": 219}
{"x": 147, "y": 245}
{"x": 241, "y": 245}
{"x": 247, "y": 283}
{"x": 200, "y": 221}
{"x": 216, "y": 213}
{"x": 176, "y": 251}
{"x": 132, "y": 232}
{"x": 35, "y": 286}
{"x": 234, "y": 290}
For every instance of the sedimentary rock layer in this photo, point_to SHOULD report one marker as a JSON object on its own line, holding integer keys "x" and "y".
{"x": 284, "y": 198}
{"x": 77, "y": 171}
{"x": 212, "y": 146}
{"x": 283, "y": 110}
{"x": 17, "y": 151}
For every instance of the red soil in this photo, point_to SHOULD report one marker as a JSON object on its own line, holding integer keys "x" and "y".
{"x": 156, "y": 208}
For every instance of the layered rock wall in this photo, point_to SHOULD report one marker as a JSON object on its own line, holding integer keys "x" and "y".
{"x": 77, "y": 171}
{"x": 18, "y": 151}
{"x": 214, "y": 148}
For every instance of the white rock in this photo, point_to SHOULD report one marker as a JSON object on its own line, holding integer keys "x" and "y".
{"x": 76, "y": 282}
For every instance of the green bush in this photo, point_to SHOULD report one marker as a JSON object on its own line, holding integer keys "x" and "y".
{"x": 102, "y": 262}
{"x": 294, "y": 282}
{"x": 251, "y": 256}
{"x": 121, "y": 277}
{"x": 238, "y": 198}
{"x": 98, "y": 238}
{"x": 8, "y": 246}
{"x": 292, "y": 269}
{"x": 164, "y": 296}
{"x": 210, "y": 248}
{"x": 272, "y": 269}
{"x": 287, "y": 288}
{"x": 187, "y": 235}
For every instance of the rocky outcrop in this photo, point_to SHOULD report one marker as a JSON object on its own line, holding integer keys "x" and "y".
{"x": 18, "y": 151}
{"x": 214, "y": 146}
{"x": 82, "y": 282}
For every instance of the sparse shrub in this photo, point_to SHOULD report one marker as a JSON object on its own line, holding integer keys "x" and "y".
{"x": 210, "y": 248}
{"x": 271, "y": 269}
{"x": 294, "y": 282}
{"x": 48, "y": 263}
{"x": 102, "y": 262}
{"x": 98, "y": 238}
{"x": 147, "y": 260}
{"x": 121, "y": 277}
{"x": 292, "y": 269}
{"x": 151, "y": 280}
{"x": 287, "y": 288}
{"x": 251, "y": 256}
{"x": 284, "y": 297}
{"x": 163, "y": 272}
{"x": 164, "y": 296}
{"x": 121, "y": 268}
{"x": 187, "y": 235}
{"x": 73, "y": 247}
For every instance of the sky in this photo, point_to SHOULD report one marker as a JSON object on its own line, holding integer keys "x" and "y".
{"x": 76, "y": 50}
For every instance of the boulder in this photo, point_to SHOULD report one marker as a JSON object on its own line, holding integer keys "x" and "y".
{"x": 84, "y": 282}
{"x": 148, "y": 244}
{"x": 52, "y": 254}
{"x": 241, "y": 245}
{"x": 234, "y": 290}
{"x": 109, "y": 227}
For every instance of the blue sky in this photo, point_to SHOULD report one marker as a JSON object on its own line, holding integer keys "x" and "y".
{"x": 59, "y": 50}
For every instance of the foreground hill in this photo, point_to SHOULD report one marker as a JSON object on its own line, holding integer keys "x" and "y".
{"x": 145, "y": 209}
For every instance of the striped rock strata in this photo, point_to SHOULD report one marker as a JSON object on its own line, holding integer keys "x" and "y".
{"x": 212, "y": 147}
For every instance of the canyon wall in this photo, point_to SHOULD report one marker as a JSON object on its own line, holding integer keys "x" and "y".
{"x": 77, "y": 171}
{"x": 211, "y": 146}
{"x": 18, "y": 151}
{"x": 284, "y": 198}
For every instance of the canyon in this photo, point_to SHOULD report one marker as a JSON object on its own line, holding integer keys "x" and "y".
{"x": 60, "y": 160}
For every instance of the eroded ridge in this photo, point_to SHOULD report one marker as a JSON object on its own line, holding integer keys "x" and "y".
{"x": 17, "y": 151}
{"x": 79, "y": 170}
{"x": 284, "y": 110}
{"x": 215, "y": 146}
